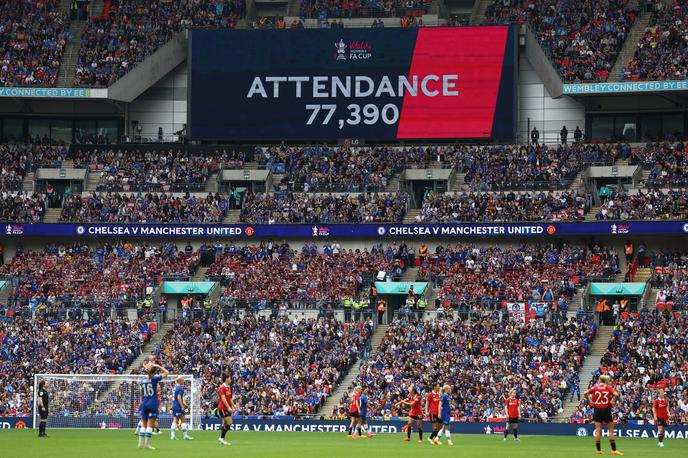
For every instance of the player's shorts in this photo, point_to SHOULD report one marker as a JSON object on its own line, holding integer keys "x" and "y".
{"x": 178, "y": 413}
{"x": 416, "y": 417}
{"x": 603, "y": 415}
{"x": 224, "y": 413}
{"x": 512, "y": 420}
{"x": 354, "y": 414}
{"x": 661, "y": 422}
{"x": 445, "y": 419}
{"x": 43, "y": 413}
{"x": 364, "y": 416}
{"x": 434, "y": 418}
{"x": 149, "y": 412}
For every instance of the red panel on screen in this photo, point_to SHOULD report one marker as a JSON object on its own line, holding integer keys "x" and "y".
{"x": 477, "y": 56}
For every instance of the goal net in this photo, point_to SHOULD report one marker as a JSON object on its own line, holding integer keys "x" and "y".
{"x": 109, "y": 401}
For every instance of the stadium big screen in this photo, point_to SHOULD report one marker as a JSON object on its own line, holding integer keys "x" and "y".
{"x": 375, "y": 84}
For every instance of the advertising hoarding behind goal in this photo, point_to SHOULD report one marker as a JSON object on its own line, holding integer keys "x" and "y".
{"x": 377, "y": 84}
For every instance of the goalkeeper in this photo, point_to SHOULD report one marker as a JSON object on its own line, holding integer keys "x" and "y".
{"x": 179, "y": 409}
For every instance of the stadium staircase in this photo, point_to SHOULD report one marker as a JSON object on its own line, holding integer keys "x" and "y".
{"x": 232, "y": 216}
{"x": 212, "y": 184}
{"x": 410, "y": 216}
{"x": 27, "y": 184}
{"x": 456, "y": 182}
{"x": 71, "y": 54}
{"x": 590, "y": 365}
{"x": 393, "y": 185}
{"x": 92, "y": 180}
{"x": 52, "y": 215}
{"x": 631, "y": 43}
{"x": 342, "y": 388}
{"x": 200, "y": 274}
{"x": 147, "y": 351}
{"x": 411, "y": 274}
{"x": 478, "y": 13}
{"x": 97, "y": 8}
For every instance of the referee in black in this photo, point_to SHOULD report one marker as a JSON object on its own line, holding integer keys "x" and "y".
{"x": 43, "y": 405}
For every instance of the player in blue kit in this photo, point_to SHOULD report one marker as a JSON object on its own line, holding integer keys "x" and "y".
{"x": 363, "y": 419}
{"x": 179, "y": 408}
{"x": 445, "y": 414}
{"x": 150, "y": 404}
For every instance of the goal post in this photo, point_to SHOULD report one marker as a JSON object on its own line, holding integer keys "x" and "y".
{"x": 109, "y": 401}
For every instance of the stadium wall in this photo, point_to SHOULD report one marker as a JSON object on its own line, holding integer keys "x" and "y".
{"x": 394, "y": 426}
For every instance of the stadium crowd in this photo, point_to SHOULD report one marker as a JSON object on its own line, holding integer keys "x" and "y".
{"x": 18, "y": 159}
{"x": 582, "y": 38}
{"x": 662, "y": 52}
{"x": 647, "y": 352}
{"x": 150, "y": 169}
{"x": 277, "y": 273}
{"x": 361, "y": 8}
{"x": 144, "y": 208}
{"x": 478, "y": 278}
{"x": 667, "y": 162}
{"x": 46, "y": 345}
{"x": 33, "y": 35}
{"x": 323, "y": 209}
{"x": 670, "y": 275}
{"x": 279, "y": 366}
{"x": 22, "y": 206}
{"x": 645, "y": 204}
{"x": 536, "y": 206}
{"x": 129, "y": 31}
{"x": 482, "y": 361}
{"x": 109, "y": 274}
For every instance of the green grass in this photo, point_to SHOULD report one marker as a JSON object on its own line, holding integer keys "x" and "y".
{"x": 122, "y": 443}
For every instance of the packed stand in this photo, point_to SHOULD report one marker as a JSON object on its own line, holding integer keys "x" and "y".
{"x": 18, "y": 159}
{"x": 275, "y": 273}
{"x": 323, "y": 209}
{"x": 325, "y": 169}
{"x": 472, "y": 278}
{"x": 670, "y": 276}
{"x": 668, "y": 164}
{"x": 131, "y": 30}
{"x": 363, "y": 8}
{"x": 662, "y": 52}
{"x": 481, "y": 361}
{"x": 22, "y": 206}
{"x": 33, "y": 35}
{"x": 583, "y": 39}
{"x": 278, "y": 366}
{"x": 107, "y": 275}
{"x": 647, "y": 352}
{"x": 652, "y": 204}
{"x": 155, "y": 170}
{"x": 144, "y": 208}
{"x": 535, "y": 206}
{"x": 533, "y": 166}
{"x": 40, "y": 345}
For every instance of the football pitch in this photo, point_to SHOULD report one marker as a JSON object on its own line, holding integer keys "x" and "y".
{"x": 123, "y": 443}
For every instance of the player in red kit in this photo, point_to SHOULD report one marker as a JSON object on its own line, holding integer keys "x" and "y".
{"x": 660, "y": 410}
{"x": 601, "y": 397}
{"x": 513, "y": 413}
{"x": 355, "y": 412}
{"x": 225, "y": 406}
{"x": 415, "y": 414}
{"x": 432, "y": 410}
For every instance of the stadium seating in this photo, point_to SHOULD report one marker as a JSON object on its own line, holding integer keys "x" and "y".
{"x": 144, "y": 208}
{"x": 645, "y": 205}
{"x": 273, "y": 273}
{"x": 481, "y": 360}
{"x": 76, "y": 346}
{"x": 22, "y": 206}
{"x": 32, "y": 38}
{"x": 663, "y": 49}
{"x": 647, "y": 352}
{"x": 475, "y": 278}
{"x": 131, "y": 30}
{"x": 108, "y": 275}
{"x": 667, "y": 163}
{"x": 154, "y": 168}
{"x": 323, "y": 209}
{"x": 582, "y": 39}
{"x": 363, "y": 8}
{"x": 18, "y": 159}
{"x": 537, "y": 206}
{"x": 281, "y": 367}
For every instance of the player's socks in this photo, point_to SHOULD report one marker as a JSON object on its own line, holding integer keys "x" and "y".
{"x": 420, "y": 433}
{"x": 661, "y": 438}
{"x": 612, "y": 443}
{"x": 408, "y": 433}
{"x": 516, "y": 433}
{"x": 598, "y": 446}
{"x": 185, "y": 431}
